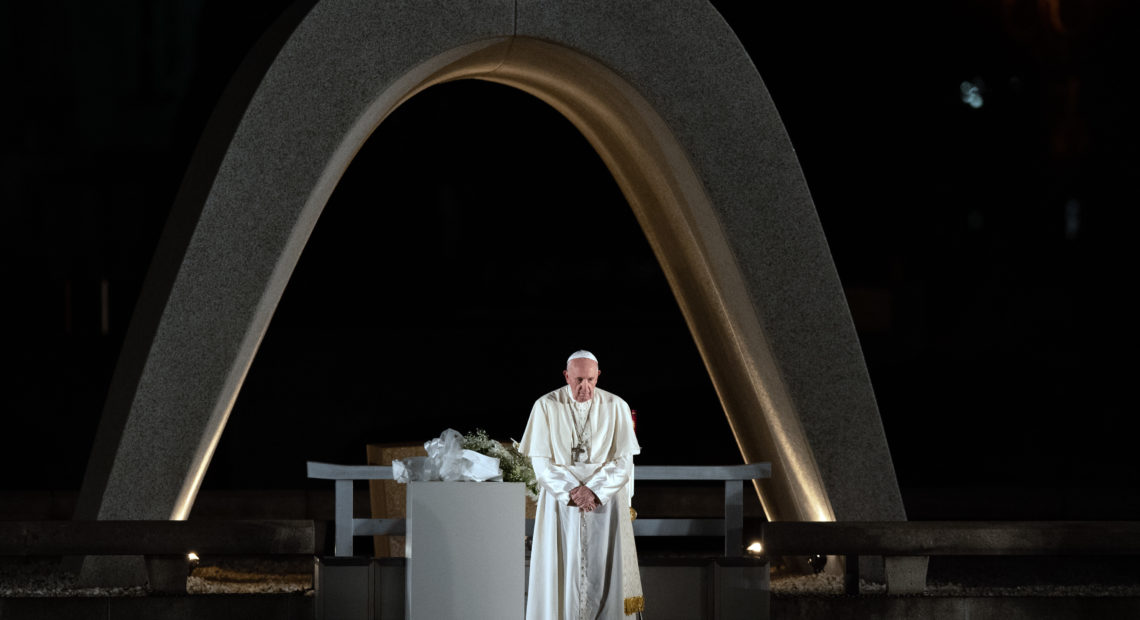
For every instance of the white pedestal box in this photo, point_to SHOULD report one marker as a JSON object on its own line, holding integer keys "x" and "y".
{"x": 465, "y": 550}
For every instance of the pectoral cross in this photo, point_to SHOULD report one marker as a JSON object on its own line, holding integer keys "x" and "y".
{"x": 576, "y": 452}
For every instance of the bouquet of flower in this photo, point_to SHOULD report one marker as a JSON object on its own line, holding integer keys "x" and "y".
{"x": 516, "y": 465}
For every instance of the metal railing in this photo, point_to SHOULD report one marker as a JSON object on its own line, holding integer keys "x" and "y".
{"x": 731, "y": 526}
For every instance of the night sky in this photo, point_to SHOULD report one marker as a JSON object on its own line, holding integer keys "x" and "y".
{"x": 974, "y": 166}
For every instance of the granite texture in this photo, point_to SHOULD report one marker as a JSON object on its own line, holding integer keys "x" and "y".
{"x": 684, "y": 59}
{"x": 228, "y": 250}
{"x": 906, "y": 574}
{"x": 767, "y": 310}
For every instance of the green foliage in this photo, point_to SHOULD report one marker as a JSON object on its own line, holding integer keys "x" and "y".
{"x": 516, "y": 465}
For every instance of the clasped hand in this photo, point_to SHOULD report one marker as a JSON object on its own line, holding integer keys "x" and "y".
{"x": 584, "y": 498}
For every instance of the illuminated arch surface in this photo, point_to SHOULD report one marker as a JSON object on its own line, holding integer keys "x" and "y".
{"x": 668, "y": 97}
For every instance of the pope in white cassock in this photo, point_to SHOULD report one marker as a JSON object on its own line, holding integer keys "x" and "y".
{"x": 583, "y": 561}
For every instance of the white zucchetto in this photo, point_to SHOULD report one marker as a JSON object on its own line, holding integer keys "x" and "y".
{"x": 577, "y": 355}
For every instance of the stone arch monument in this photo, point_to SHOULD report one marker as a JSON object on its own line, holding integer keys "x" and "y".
{"x": 665, "y": 93}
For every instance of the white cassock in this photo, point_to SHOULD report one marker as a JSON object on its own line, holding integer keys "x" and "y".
{"x": 583, "y": 565}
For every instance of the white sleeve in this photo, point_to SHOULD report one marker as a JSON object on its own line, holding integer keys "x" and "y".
{"x": 610, "y": 478}
{"x": 556, "y": 479}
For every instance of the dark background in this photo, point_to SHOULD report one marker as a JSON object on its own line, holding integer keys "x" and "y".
{"x": 986, "y": 252}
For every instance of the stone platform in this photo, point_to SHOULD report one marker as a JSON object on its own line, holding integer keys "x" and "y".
{"x": 673, "y": 583}
{"x": 213, "y": 606}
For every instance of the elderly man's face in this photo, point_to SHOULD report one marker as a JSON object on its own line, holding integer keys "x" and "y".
{"x": 582, "y": 375}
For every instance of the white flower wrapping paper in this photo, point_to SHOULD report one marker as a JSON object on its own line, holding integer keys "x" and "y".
{"x": 414, "y": 468}
{"x": 447, "y": 461}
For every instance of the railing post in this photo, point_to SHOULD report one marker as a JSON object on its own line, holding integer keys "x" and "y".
{"x": 343, "y": 544}
{"x": 851, "y": 575}
{"x": 733, "y": 518}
